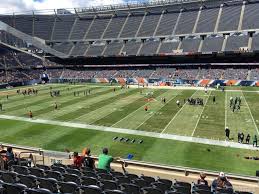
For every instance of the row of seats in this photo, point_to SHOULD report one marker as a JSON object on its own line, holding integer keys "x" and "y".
{"x": 70, "y": 179}
{"x": 153, "y": 46}
{"x": 158, "y": 21}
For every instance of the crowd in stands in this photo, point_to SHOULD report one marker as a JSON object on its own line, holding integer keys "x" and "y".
{"x": 158, "y": 73}
{"x": 85, "y": 176}
{"x": 166, "y": 73}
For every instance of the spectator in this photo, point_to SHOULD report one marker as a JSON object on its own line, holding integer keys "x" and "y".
{"x": 2, "y": 150}
{"x": 88, "y": 160}
{"x": 201, "y": 180}
{"x": 10, "y": 154}
{"x": 78, "y": 160}
{"x": 221, "y": 183}
{"x": 104, "y": 160}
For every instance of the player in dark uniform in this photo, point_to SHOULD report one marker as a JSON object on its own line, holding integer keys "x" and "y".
{"x": 30, "y": 114}
{"x": 56, "y": 106}
{"x": 227, "y": 131}
{"x": 214, "y": 99}
{"x": 1, "y": 107}
{"x": 248, "y": 139}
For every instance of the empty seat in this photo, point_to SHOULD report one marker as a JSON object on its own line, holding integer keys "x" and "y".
{"x": 122, "y": 179}
{"x": 151, "y": 190}
{"x": 86, "y": 168}
{"x": 163, "y": 187}
{"x": 58, "y": 168}
{"x": 114, "y": 192}
{"x": 115, "y": 173}
{"x": 48, "y": 183}
{"x": 44, "y": 167}
{"x": 38, "y": 191}
{"x": 38, "y": 172}
{"x": 68, "y": 187}
{"x": 130, "y": 188}
{"x": 201, "y": 192}
{"x": 14, "y": 188}
{"x": 132, "y": 176}
{"x": 73, "y": 171}
{"x": 182, "y": 189}
{"x": 89, "y": 174}
{"x": 91, "y": 189}
{"x": 101, "y": 171}
{"x": 60, "y": 165}
{"x": 29, "y": 180}
{"x": 149, "y": 179}
{"x": 105, "y": 176}
{"x": 9, "y": 177}
{"x": 20, "y": 169}
{"x": 108, "y": 185}
{"x": 88, "y": 181}
{"x": 71, "y": 178}
{"x": 165, "y": 181}
{"x": 141, "y": 182}
{"x": 54, "y": 174}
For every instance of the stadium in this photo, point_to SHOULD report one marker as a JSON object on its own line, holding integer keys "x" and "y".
{"x": 163, "y": 94}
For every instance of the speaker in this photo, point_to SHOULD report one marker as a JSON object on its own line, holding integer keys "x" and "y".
{"x": 257, "y": 173}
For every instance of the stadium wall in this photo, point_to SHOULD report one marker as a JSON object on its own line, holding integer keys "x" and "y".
{"x": 162, "y": 81}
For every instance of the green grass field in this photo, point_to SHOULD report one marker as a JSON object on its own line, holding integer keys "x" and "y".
{"x": 124, "y": 108}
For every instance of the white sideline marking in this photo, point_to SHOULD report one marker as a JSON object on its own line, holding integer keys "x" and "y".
{"x": 159, "y": 109}
{"x": 134, "y": 132}
{"x": 250, "y": 113}
{"x": 200, "y": 115}
{"x": 177, "y": 114}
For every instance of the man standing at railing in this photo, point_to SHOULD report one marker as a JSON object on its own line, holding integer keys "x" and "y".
{"x": 104, "y": 160}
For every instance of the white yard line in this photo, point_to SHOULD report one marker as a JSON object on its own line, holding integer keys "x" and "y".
{"x": 117, "y": 94}
{"x": 200, "y": 115}
{"x": 136, "y": 111}
{"x": 226, "y": 108}
{"x": 251, "y": 114}
{"x": 133, "y": 132}
{"x": 158, "y": 109}
{"x": 177, "y": 113}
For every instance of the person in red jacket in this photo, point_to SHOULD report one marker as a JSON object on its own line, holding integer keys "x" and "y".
{"x": 78, "y": 160}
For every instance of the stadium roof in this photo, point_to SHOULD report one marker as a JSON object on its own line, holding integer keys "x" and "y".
{"x": 127, "y": 5}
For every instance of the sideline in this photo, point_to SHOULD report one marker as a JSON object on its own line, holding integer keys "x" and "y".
{"x": 134, "y": 132}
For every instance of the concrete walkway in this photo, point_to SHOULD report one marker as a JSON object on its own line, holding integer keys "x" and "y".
{"x": 134, "y": 132}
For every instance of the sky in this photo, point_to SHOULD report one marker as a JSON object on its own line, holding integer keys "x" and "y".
{"x": 10, "y": 6}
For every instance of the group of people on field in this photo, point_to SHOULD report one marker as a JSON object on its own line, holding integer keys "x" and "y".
{"x": 241, "y": 138}
{"x": 235, "y": 103}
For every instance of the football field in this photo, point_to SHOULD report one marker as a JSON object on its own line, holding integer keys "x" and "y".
{"x": 124, "y": 109}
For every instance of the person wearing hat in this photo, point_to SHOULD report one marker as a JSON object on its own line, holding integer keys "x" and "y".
{"x": 221, "y": 183}
{"x": 201, "y": 180}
